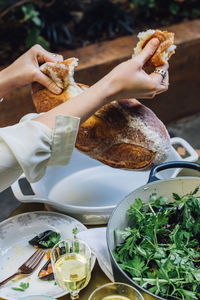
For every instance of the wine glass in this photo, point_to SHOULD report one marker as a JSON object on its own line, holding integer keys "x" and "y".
{"x": 116, "y": 291}
{"x": 71, "y": 263}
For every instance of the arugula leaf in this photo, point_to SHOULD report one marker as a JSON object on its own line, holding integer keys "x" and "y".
{"x": 176, "y": 197}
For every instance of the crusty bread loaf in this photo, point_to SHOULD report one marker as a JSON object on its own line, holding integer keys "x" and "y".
{"x": 165, "y": 50}
{"x": 123, "y": 134}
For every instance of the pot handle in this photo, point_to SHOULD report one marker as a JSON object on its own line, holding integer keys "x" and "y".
{"x": 171, "y": 165}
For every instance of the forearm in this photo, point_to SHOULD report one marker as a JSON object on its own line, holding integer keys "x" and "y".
{"x": 83, "y": 105}
{"x": 7, "y": 81}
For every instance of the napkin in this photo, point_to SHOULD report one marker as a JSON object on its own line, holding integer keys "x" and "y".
{"x": 96, "y": 240}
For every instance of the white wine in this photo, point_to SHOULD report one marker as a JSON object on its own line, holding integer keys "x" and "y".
{"x": 115, "y": 297}
{"x": 72, "y": 271}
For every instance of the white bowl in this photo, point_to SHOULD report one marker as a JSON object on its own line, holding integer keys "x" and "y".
{"x": 89, "y": 190}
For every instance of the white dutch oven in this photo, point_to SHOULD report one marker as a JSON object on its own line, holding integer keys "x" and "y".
{"x": 89, "y": 190}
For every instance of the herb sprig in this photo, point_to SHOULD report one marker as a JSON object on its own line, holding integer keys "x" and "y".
{"x": 22, "y": 287}
{"x": 161, "y": 247}
{"x": 53, "y": 239}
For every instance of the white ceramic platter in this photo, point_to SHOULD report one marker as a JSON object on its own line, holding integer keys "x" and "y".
{"x": 88, "y": 190}
{"x": 15, "y": 233}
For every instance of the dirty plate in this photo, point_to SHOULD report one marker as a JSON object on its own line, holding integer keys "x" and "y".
{"x": 15, "y": 233}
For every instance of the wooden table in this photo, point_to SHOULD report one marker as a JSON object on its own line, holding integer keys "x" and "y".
{"x": 98, "y": 278}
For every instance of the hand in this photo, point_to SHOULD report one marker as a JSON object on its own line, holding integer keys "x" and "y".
{"x": 129, "y": 79}
{"x": 25, "y": 69}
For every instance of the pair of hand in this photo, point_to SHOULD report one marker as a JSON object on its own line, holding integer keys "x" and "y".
{"x": 127, "y": 80}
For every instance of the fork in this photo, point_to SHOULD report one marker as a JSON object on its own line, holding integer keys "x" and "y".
{"x": 28, "y": 267}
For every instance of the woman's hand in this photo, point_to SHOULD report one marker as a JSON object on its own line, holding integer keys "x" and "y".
{"x": 129, "y": 79}
{"x": 25, "y": 70}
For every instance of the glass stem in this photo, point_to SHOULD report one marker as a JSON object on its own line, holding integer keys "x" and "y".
{"x": 74, "y": 295}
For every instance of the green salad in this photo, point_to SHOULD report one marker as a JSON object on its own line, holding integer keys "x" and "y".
{"x": 161, "y": 247}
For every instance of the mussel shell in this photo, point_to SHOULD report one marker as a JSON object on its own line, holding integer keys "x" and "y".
{"x": 50, "y": 276}
{"x": 42, "y": 237}
{"x": 60, "y": 251}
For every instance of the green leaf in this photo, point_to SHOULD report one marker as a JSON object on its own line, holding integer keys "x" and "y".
{"x": 188, "y": 294}
{"x": 18, "y": 289}
{"x": 22, "y": 288}
{"x": 159, "y": 253}
{"x": 195, "y": 190}
{"x": 176, "y": 196}
{"x": 30, "y": 13}
{"x": 54, "y": 238}
{"x": 74, "y": 232}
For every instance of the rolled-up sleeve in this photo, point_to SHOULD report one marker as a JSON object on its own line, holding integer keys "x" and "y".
{"x": 30, "y": 146}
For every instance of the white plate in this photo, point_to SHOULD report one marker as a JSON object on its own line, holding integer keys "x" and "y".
{"x": 15, "y": 233}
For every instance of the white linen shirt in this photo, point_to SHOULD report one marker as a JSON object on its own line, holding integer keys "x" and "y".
{"x": 30, "y": 146}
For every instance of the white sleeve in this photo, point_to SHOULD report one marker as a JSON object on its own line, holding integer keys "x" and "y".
{"x": 29, "y": 146}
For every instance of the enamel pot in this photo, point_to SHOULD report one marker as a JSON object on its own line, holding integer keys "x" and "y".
{"x": 119, "y": 219}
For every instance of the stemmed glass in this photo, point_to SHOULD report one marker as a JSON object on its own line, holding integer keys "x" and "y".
{"x": 71, "y": 262}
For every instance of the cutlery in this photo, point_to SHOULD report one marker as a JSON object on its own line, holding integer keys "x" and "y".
{"x": 28, "y": 267}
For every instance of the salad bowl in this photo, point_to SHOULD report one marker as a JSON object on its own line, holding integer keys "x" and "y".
{"x": 120, "y": 220}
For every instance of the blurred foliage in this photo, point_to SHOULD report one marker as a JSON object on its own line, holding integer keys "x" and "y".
{"x": 61, "y": 24}
{"x": 179, "y": 9}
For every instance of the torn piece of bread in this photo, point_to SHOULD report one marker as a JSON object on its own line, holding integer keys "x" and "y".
{"x": 165, "y": 50}
{"x": 62, "y": 73}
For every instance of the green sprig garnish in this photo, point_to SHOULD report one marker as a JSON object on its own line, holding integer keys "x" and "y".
{"x": 22, "y": 287}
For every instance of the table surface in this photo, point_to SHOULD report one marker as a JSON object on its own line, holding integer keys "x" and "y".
{"x": 98, "y": 277}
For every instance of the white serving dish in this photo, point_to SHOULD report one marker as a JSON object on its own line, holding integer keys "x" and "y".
{"x": 89, "y": 190}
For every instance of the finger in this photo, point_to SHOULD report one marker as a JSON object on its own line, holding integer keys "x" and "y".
{"x": 158, "y": 78}
{"x": 165, "y": 81}
{"x": 162, "y": 89}
{"x": 47, "y": 82}
{"x": 45, "y": 56}
{"x": 148, "y": 50}
{"x": 164, "y": 85}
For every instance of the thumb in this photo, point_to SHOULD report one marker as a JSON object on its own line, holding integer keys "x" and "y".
{"x": 48, "y": 83}
{"x": 148, "y": 50}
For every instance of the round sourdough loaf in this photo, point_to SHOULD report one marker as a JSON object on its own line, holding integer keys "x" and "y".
{"x": 125, "y": 135}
